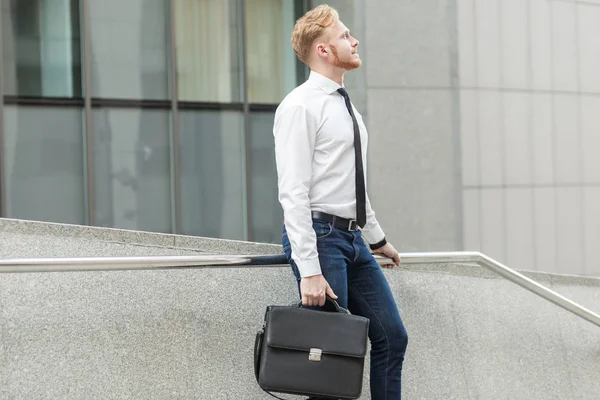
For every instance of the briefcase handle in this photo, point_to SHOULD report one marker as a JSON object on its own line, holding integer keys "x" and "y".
{"x": 335, "y": 304}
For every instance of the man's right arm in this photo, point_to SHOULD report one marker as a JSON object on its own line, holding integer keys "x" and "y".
{"x": 295, "y": 135}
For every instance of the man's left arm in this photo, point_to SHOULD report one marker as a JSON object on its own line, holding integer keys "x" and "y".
{"x": 375, "y": 237}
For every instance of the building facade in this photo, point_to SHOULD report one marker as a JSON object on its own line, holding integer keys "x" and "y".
{"x": 483, "y": 115}
{"x": 145, "y": 114}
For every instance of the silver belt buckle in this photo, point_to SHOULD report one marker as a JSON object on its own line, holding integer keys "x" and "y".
{"x": 350, "y": 225}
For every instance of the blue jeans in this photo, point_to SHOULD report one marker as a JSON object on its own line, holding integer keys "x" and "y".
{"x": 358, "y": 281}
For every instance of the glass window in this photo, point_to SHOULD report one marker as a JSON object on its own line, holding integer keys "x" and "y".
{"x": 207, "y": 50}
{"x": 132, "y": 183}
{"x": 212, "y": 174}
{"x": 43, "y": 164}
{"x": 129, "y": 49}
{"x": 267, "y": 215}
{"x": 41, "y": 48}
{"x": 272, "y": 63}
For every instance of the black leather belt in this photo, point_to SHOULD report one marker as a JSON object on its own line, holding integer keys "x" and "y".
{"x": 342, "y": 223}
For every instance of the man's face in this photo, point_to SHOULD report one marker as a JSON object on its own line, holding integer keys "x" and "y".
{"x": 343, "y": 48}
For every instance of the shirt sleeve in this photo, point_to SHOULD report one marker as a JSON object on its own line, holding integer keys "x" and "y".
{"x": 295, "y": 136}
{"x": 372, "y": 232}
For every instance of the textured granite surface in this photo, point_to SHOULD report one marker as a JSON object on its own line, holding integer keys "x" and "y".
{"x": 189, "y": 334}
{"x": 42, "y": 230}
{"x": 18, "y": 245}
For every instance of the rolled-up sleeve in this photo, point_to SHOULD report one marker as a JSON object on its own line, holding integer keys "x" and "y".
{"x": 295, "y": 133}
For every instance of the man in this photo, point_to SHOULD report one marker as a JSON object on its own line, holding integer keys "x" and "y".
{"x": 321, "y": 147}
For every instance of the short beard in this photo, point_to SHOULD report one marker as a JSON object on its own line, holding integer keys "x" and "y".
{"x": 347, "y": 65}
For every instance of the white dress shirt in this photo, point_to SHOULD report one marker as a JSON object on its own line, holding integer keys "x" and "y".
{"x": 314, "y": 152}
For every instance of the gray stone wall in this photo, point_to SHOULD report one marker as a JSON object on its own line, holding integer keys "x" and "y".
{"x": 530, "y": 131}
{"x": 484, "y": 126}
{"x": 189, "y": 334}
{"x": 414, "y": 167}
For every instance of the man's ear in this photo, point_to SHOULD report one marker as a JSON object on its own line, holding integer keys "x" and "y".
{"x": 322, "y": 50}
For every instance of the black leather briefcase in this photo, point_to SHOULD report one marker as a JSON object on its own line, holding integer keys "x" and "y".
{"x": 313, "y": 353}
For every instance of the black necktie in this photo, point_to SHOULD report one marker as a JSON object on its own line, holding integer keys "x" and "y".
{"x": 361, "y": 209}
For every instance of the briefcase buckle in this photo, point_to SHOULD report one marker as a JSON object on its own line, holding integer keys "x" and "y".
{"x": 315, "y": 355}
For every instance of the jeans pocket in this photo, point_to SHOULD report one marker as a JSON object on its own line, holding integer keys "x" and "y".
{"x": 322, "y": 229}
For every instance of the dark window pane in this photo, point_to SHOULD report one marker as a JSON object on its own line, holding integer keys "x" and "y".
{"x": 130, "y": 48}
{"x": 207, "y": 50}
{"x": 267, "y": 215}
{"x": 41, "y": 53}
{"x": 212, "y": 174}
{"x": 131, "y": 169}
{"x": 43, "y": 164}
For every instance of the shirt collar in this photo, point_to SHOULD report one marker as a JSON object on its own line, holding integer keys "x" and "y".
{"x": 324, "y": 83}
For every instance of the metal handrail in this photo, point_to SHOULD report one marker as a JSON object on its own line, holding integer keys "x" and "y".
{"x": 23, "y": 265}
